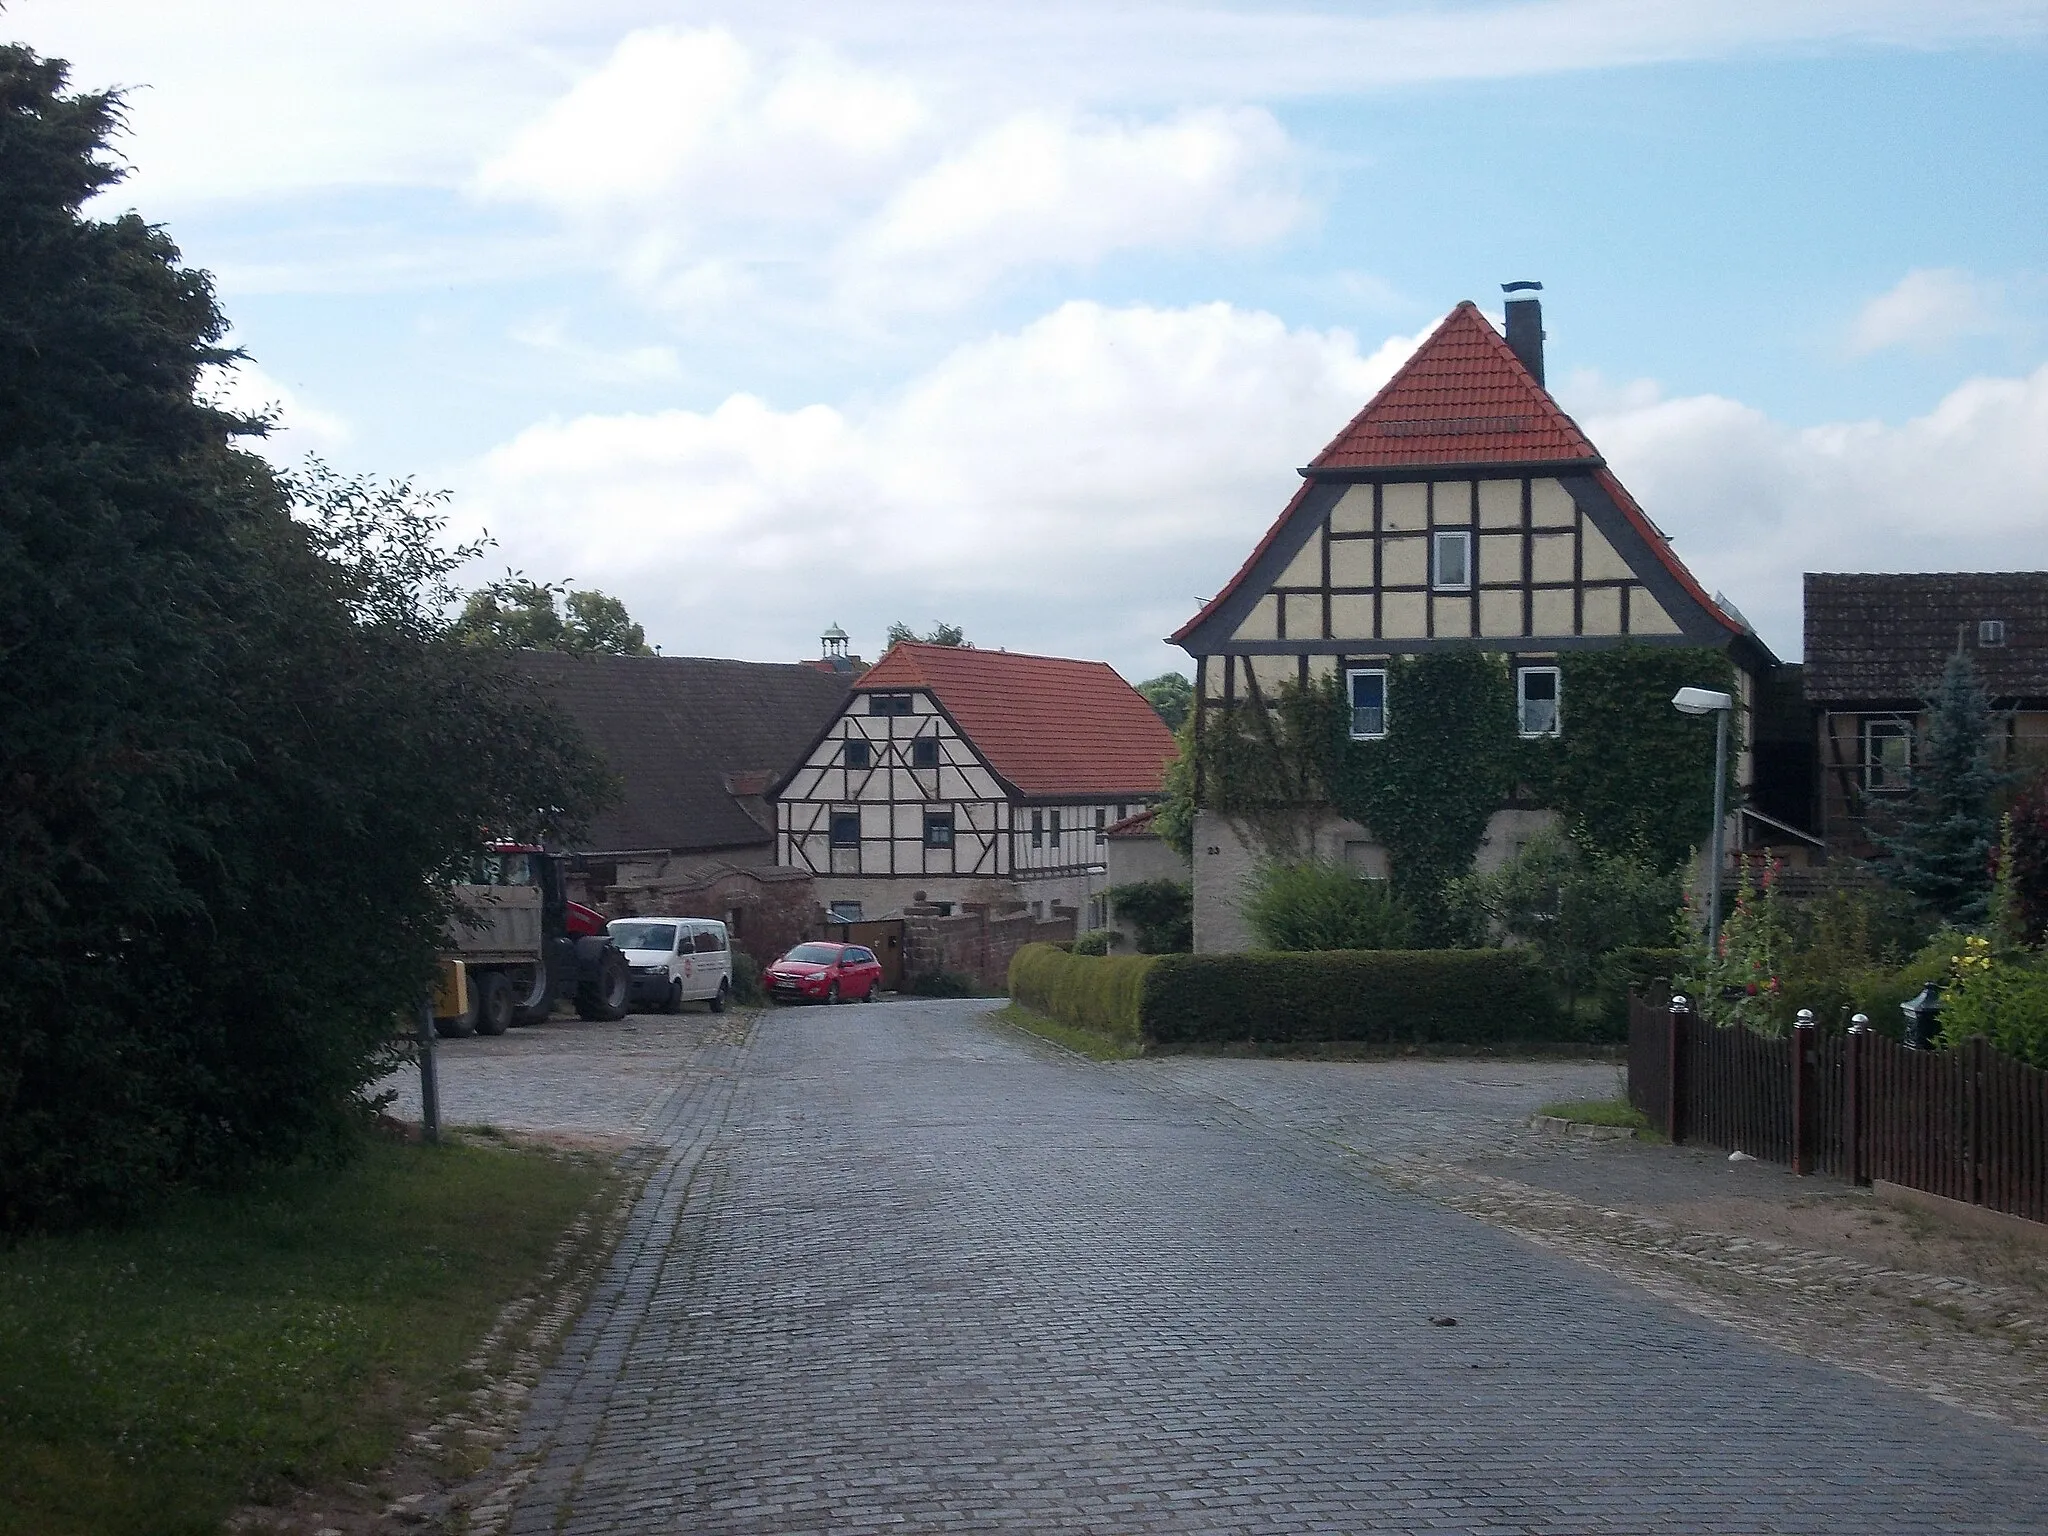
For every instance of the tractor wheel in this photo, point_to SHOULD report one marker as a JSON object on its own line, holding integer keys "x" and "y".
{"x": 539, "y": 1003}
{"x": 494, "y": 1003}
{"x": 602, "y": 980}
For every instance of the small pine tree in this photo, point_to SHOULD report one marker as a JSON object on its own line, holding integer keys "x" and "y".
{"x": 1941, "y": 853}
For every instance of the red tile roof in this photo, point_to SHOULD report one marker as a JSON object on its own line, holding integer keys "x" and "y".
{"x": 1139, "y": 825}
{"x": 1463, "y": 398}
{"x": 1049, "y": 725}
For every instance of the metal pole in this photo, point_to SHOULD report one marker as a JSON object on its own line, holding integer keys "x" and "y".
{"x": 430, "y": 1086}
{"x": 1720, "y": 821}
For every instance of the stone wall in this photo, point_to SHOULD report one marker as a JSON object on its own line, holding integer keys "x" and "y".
{"x": 979, "y": 942}
{"x": 765, "y": 910}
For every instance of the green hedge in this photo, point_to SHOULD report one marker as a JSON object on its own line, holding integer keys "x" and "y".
{"x": 1098, "y": 993}
{"x": 1375, "y": 997}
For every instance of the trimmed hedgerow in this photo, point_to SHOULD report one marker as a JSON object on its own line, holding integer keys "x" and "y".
{"x": 1098, "y": 993}
{"x": 1372, "y": 997}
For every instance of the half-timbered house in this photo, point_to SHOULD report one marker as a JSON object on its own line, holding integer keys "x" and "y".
{"x": 1875, "y": 650}
{"x": 1460, "y": 508}
{"x": 957, "y": 775}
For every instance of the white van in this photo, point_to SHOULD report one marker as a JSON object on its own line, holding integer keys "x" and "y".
{"x": 675, "y": 960}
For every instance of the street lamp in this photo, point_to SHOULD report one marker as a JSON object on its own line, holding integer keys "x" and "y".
{"x": 1706, "y": 701}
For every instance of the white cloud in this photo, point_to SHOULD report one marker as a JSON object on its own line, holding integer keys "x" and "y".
{"x": 550, "y": 336}
{"x": 1072, "y": 487}
{"x": 1928, "y": 307}
{"x": 1751, "y": 504}
{"x": 298, "y": 428}
{"x": 1042, "y": 188}
{"x": 697, "y": 164}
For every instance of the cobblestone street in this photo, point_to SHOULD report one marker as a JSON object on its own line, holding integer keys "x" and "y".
{"x": 901, "y": 1268}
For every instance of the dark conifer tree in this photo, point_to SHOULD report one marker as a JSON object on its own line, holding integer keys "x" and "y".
{"x": 1941, "y": 852}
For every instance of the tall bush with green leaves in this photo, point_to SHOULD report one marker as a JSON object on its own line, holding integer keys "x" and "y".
{"x": 1574, "y": 903}
{"x": 1316, "y": 904}
{"x": 1163, "y": 912}
{"x": 236, "y": 744}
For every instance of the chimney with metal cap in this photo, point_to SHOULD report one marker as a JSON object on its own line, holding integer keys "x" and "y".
{"x": 1525, "y": 325}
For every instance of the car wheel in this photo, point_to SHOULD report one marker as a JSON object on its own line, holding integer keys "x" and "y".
{"x": 718, "y": 1003}
{"x": 832, "y": 993}
{"x": 673, "y": 1003}
{"x": 494, "y": 1004}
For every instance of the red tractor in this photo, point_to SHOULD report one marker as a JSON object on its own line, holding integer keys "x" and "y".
{"x": 525, "y": 945}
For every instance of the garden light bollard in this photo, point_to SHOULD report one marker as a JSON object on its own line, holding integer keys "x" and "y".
{"x": 1805, "y": 1033}
{"x": 1852, "y": 1098}
{"x": 1923, "y": 1017}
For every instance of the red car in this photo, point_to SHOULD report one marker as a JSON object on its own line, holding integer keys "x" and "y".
{"x": 832, "y": 973}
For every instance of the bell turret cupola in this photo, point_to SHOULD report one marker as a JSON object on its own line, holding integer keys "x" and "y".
{"x": 834, "y": 643}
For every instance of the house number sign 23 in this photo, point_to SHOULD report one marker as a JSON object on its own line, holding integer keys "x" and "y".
{"x": 1214, "y": 849}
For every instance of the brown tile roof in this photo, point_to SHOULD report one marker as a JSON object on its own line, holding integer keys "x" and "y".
{"x": 694, "y": 740}
{"x": 1139, "y": 825}
{"x": 1887, "y": 638}
{"x": 1049, "y": 725}
{"x": 1463, "y": 398}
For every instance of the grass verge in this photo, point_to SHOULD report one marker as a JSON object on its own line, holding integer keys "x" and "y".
{"x": 239, "y": 1347}
{"x": 1086, "y": 1042}
{"x": 1598, "y": 1112}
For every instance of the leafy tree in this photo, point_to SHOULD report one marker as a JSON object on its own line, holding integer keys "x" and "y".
{"x": 1941, "y": 852}
{"x": 235, "y": 745}
{"x": 517, "y": 613}
{"x": 901, "y": 633}
{"x": 2024, "y": 861}
{"x": 1171, "y": 695}
{"x": 1163, "y": 912}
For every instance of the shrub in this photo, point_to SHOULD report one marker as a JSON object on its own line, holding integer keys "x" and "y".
{"x": 1095, "y": 993}
{"x": 942, "y": 984}
{"x": 1642, "y": 969}
{"x": 1096, "y": 942}
{"x": 1163, "y": 912}
{"x": 1574, "y": 904}
{"x": 1382, "y": 997}
{"x": 1320, "y": 905}
{"x": 2004, "y": 1001}
{"x": 746, "y": 978}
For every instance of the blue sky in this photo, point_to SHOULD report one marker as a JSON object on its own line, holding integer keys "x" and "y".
{"x": 1022, "y": 316}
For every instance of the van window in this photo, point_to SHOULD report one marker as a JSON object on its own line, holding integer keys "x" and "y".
{"x": 708, "y": 941}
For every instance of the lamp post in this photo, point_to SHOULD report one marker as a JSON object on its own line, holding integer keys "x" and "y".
{"x": 1706, "y": 701}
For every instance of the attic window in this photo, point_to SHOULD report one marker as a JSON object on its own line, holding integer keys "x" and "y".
{"x": 888, "y": 703}
{"x": 1452, "y": 564}
{"x": 924, "y": 752}
{"x": 1991, "y": 631}
{"x": 856, "y": 753}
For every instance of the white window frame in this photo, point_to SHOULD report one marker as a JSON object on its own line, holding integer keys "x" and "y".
{"x": 1887, "y": 728}
{"x": 1439, "y": 541}
{"x": 933, "y": 821}
{"x": 1556, "y": 701}
{"x": 1351, "y": 676}
{"x": 844, "y": 912}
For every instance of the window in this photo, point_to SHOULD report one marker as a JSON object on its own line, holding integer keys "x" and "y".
{"x": 1368, "y": 704}
{"x": 846, "y": 829}
{"x": 924, "y": 752}
{"x": 1102, "y": 827}
{"x": 1887, "y": 756}
{"x": 709, "y": 941}
{"x": 938, "y": 829}
{"x": 1536, "y": 701}
{"x": 856, "y": 753}
{"x": 888, "y": 703}
{"x": 1052, "y": 827}
{"x": 1038, "y": 829}
{"x": 1991, "y": 631}
{"x": 845, "y": 911}
{"x": 1451, "y": 567}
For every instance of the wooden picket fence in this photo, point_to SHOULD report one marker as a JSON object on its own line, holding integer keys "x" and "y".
{"x": 1970, "y": 1124}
